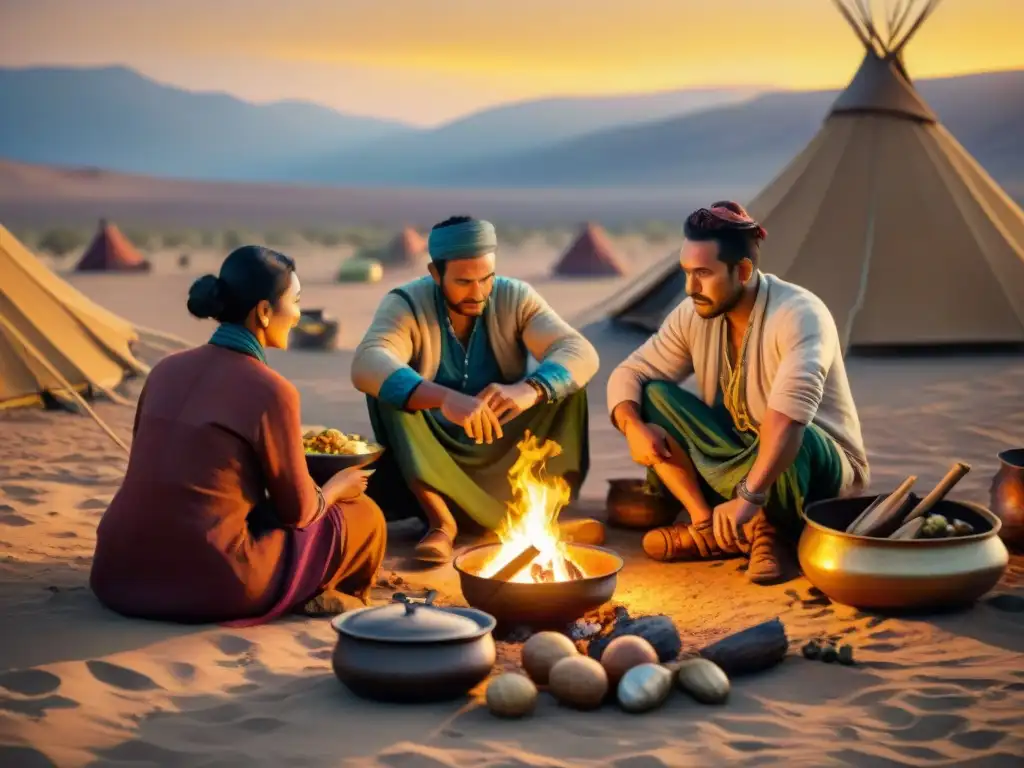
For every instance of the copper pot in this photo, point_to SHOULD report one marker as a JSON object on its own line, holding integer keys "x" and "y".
{"x": 1007, "y": 496}
{"x": 631, "y": 504}
{"x": 867, "y": 572}
{"x": 411, "y": 651}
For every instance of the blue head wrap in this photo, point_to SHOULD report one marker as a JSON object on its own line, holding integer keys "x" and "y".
{"x": 462, "y": 241}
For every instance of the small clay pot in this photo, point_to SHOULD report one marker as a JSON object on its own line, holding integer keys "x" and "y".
{"x": 1007, "y": 497}
{"x": 631, "y": 505}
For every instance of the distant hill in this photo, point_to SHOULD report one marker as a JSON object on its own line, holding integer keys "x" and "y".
{"x": 749, "y": 142}
{"x": 427, "y": 155}
{"x": 115, "y": 118}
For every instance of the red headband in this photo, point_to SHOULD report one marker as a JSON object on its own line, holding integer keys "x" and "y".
{"x": 724, "y": 218}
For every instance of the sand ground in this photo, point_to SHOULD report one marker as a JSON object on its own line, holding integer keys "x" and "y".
{"x": 80, "y": 686}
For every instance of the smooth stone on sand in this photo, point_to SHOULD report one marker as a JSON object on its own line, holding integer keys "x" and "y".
{"x": 658, "y": 630}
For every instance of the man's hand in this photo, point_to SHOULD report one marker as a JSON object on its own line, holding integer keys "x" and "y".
{"x": 472, "y": 414}
{"x": 730, "y": 520}
{"x": 648, "y": 443}
{"x": 509, "y": 400}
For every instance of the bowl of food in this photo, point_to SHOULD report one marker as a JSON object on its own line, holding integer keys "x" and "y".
{"x": 328, "y": 451}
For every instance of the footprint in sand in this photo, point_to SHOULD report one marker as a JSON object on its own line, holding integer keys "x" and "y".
{"x": 14, "y": 520}
{"x": 931, "y": 728}
{"x": 233, "y": 645}
{"x": 22, "y": 493}
{"x": 94, "y": 503}
{"x": 260, "y": 724}
{"x": 182, "y": 671}
{"x": 978, "y": 740}
{"x": 639, "y": 761}
{"x": 117, "y": 676}
{"x": 36, "y": 708}
{"x": 312, "y": 642}
{"x": 30, "y": 682}
{"x": 410, "y": 758}
{"x": 947, "y": 703}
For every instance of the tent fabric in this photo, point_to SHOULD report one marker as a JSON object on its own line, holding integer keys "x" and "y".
{"x": 43, "y": 316}
{"x": 408, "y": 247}
{"x": 890, "y": 221}
{"x": 111, "y": 251}
{"x": 591, "y": 255}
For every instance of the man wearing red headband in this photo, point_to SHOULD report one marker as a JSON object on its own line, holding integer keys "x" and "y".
{"x": 774, "y": 426}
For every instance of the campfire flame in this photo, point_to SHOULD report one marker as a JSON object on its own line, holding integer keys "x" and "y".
{"x": 532, "y": 518}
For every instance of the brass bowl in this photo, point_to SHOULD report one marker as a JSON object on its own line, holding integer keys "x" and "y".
{"x": 867, "y": 572}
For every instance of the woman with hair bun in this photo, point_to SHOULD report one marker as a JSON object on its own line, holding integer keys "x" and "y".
{"x": 217, "y": 519}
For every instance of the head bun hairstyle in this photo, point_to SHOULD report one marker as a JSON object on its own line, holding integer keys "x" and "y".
{"x": 249, "y": 275}
{"x": 727, "y": 223}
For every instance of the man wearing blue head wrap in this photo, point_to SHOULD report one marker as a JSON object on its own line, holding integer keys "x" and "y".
{"x": 446, "y": 367}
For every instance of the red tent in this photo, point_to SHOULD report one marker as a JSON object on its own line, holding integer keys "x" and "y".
{"x": 591, "y": 255}
{"x": 408, "y": 247}
{"x": 111, "y": 251}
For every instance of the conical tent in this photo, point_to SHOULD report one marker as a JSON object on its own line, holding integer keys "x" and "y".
{"x": 53, "y": 337}
{"x": 591, "y": 255}
{"x": 408, "y": 247}
{"x": 906, "y": 239}
{"x": 111, "y": 251}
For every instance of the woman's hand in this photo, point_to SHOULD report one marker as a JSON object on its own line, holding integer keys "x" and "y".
{"x": 347, "y": 484}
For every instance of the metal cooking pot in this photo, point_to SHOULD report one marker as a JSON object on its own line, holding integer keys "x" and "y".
{"x": 874, "y": 573}
{"x": 409, "y": 651}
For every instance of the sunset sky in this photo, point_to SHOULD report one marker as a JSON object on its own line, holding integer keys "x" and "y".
{"x": 427, "y": 61}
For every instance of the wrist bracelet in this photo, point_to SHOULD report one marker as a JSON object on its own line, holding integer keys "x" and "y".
{"x": 542, "y": 394}
{"x": 757, "y": 499}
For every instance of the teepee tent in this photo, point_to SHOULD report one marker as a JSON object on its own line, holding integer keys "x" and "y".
{"x": 906, "y": 239}
{"x": 408, "y": 247}
{"x": 591, "y": 255}
{"x": 53, "y": 340}
{"x": 111, "y": 251}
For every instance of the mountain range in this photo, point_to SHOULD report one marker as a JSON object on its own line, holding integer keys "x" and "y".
{"x": 116, "y": 119}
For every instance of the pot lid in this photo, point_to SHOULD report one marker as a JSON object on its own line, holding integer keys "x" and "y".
{"x": 405, "y": 621}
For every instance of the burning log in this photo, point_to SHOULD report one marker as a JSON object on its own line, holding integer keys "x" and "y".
{"x": 517, "y": 564}
{"x": 752, "y": 650}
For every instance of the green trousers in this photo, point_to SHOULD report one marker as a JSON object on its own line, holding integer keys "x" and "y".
{"x": 723, "y": 455}
{"x": 424, "y": 446}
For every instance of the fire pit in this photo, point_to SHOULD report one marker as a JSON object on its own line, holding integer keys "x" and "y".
{"x": 532, "y": 597}
{"x": 561, "y": 580}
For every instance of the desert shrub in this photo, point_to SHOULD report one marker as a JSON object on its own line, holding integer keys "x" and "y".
{"x": 61, "y": 241}
{"x": 233, "y": 238}
{"x": 180, "y": 238}
{"x": 141, "y": 238}
{"x": 280, "y": 238}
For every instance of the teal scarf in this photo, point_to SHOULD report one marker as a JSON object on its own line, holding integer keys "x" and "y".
{"x": 240, "y": 339}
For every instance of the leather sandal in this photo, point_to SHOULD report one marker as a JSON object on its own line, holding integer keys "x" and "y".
{"x": 435, "y": 547}
{"x": 682, "y": 542}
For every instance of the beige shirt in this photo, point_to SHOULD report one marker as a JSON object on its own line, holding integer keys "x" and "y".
{"x": 794, "y": 365}
{"x": 522, "y": 327}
